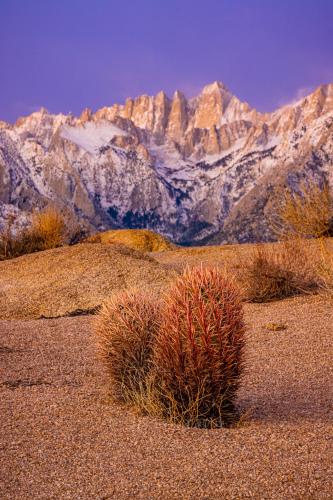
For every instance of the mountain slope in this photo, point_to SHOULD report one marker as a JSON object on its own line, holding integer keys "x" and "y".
{"x": 196, "y": 170}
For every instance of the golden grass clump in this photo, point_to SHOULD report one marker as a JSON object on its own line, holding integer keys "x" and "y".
{"x": 302, "y": 216}
{"x": 126, "y": 327}
{"x": 280, "y": 270}
{"x": 307, "y": 213}
{"x": 138, "y": 239}
{"x": 47, "y": 230}
{"x": 325, "y": 266}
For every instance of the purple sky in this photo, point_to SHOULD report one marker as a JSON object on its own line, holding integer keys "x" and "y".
{"x": 69, "y": 54}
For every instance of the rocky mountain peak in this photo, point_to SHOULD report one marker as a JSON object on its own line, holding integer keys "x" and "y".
{"x": 212, "y": 104}
{"x": 214, "y": 87}
{"x": 36, "y": 116}
{"x": 86, "y": 115}
{"x": 178, "y": 117}
{"x": 186, "y": 168}
{"x": 4, "y": 124}
{"x": 161, "y": 96}
{"x": 178, "y": 96}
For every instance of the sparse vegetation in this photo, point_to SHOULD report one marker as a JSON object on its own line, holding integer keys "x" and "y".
{"x": 325, "y": 267}
{"x": 8, "y": 243}
{"x": 302, "y": 260}
{"x": 278, "y": 271}
{"x": 307, "y": 213}
{"x": 183, "y": 360}
{"x": 49, "y": 228}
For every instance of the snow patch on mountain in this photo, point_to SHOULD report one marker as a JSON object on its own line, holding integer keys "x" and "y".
{"x": 91, "y": 136}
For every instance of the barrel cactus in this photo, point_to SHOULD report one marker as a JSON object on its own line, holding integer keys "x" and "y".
{"x": 198, "y": 351}
{"x": 126, "y": 327}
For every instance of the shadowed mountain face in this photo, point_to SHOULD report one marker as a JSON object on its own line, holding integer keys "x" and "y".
{"x": 198, "y": 170}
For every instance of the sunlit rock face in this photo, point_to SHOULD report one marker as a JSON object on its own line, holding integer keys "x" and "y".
{"x": 198, "y": 170}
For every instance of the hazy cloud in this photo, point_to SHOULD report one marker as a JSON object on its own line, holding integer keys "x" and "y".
{"x": 298, "y": 95}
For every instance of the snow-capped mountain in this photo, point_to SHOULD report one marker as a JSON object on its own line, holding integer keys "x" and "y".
{"x": 197, "y": 170}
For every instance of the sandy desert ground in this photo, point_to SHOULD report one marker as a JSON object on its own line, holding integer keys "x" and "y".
{"x": 61, "y": 438}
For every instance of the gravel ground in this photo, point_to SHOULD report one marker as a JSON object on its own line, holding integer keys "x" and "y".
{"x": 61, "y": 439}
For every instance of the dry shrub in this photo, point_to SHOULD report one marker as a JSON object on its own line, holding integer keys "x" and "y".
{"x": 302, "y": 216}
{"x": 94, "y": 238}
{"x": 307, "y": 213}
{"x": 278, "y": 271}
{"x": 325, "y": 267}
{"x": 126, "y": 327}
{"x": 49, "y": 229}
{"x": 8, "y": 242}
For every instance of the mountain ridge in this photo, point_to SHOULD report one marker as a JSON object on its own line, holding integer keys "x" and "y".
{"x": 182, "y": 167}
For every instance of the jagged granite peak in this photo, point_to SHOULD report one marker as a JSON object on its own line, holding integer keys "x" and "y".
{"x": 178, "y": 117}
{"x": 86, "y": 115}
{"x": 215, "y": 87}
{"x": 178, "y": 95}
{"x": 162, "y": 107}
{"x": 197, "y": 170}
{"x": 211, "y": 106}
{"x": 4, "y": 124}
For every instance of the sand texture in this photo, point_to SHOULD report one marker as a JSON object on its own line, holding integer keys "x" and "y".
{"x": 61, "y": 438}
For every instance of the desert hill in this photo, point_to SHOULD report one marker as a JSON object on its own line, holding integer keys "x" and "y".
{"x": 138, "y": 239}
{"x": 74, "y": 279}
